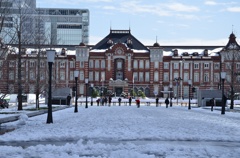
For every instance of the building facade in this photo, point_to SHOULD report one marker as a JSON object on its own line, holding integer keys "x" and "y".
{"x": 43, "y": 26}
{"x": 120, "y": 63}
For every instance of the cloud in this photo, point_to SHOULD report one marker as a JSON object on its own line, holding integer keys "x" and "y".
{"x": 233, "y": 9}
{"x": 179, "y": 7}
{"x": 210, "y": 3}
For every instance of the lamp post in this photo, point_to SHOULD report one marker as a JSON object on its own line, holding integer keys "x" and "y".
{"x": 178, "y": 79}
{"x": 50, "y": 59}
{"x": 76, "y": 73}
{"x": 92, "y": 94}
{"x": 86, "y": 83}
{"x": 223, "y": 76}
{"x": 189, "y": 99}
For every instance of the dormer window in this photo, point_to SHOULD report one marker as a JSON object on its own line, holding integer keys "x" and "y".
{"x": 110, "y": 41}
{"x": 195, "y": 54}
{"x": 205, "y": 53}
{"x": 63, "y": 52}
{"x": 185, "y": 54}
{"x": 129, "y": 41}
{"x": 175, "y": 52}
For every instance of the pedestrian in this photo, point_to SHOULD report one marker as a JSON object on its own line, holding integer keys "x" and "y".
{"x": 138, "y": 103}
{"x": 119, "y": 101}
{"x": 166, "y": 102}
{"x": 105, "y": 100}
{"x": 130, "y": 100}
{"x": 157, "y": 99}
{"x": 170, "y": 102}
{"x": 109, "y": 100}
{"x": 69, "y": 99}
{"x": 213, "y": 103}
{"x": 98, "y": 100}
{"x": 102, "y": 101}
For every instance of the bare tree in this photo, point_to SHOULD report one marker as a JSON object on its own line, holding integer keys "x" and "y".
{"x": 231, "y": 57}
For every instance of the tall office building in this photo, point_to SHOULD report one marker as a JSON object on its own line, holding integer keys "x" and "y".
{"x": 50, "y": 26}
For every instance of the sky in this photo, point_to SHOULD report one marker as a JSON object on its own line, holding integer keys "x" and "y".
{"x": 123, "y": 132}
{"x": 170, "y": 22}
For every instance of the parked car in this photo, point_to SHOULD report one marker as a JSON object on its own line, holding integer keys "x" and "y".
{"x": 4, "y": 103}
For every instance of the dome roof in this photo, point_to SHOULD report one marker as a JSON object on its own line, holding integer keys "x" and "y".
{"x": 82, "y": 44}
{"x": 156, "y": 45}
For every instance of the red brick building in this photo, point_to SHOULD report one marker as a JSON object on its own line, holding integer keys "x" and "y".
{"x": 120, "y": 63}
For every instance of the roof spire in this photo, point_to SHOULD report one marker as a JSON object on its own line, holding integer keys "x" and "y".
{"x": 232, "y": 28}
{"x": 110, "y": 25}
{"x": 156, "y": 39}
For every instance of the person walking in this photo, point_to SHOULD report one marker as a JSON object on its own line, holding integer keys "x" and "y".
{"x": 119, "y": 101}
{"x": 170, "y": 102}
{"x": 157, "y": 100}
{"x": 130, "y": 100}
{"x": 166, "y": 102}
{"x": 109, "y": 100}
{"x": 213, "y": 103}
{"x": 138, "y": 102}
{"x": 69, "y": 99}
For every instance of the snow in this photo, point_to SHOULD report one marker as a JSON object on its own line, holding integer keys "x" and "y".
{"x": 125, "y": 131}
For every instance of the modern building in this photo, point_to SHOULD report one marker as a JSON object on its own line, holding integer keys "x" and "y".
{"x": 43, "y": 26}
{"x": 120, "y": 63}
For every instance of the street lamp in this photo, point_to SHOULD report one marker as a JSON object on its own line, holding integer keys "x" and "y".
{"x": 92, "y": 94}
{"x": 178, "y": 79}
{"x": 50, "y": 59}
{"x": 223, "y": 76}
{"x": 76, "y": 73}
{"x": 189, "y": 100}
{"x": 86, "y": 83}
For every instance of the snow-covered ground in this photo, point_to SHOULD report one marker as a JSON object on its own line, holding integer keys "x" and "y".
{"x": 125, "y": 132}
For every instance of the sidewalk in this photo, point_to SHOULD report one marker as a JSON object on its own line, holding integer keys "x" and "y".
{"x": 30, "y": 114}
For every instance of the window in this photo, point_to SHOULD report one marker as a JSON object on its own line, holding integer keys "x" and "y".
{"x": 119, "y": 64}
{"x": 146, "y": 76}
{"x": 71, "y": 75}
{"x": 103, "y": 76}
{"x": 196, "y": 77}
{"x": 196, "y": 65}
{"x": 62, "y": 75}
{"x": 166, "y": 65}
{"x": 96, "y": 63}
{"x": 156, "y": 64}
{"x": 32, "y": 75}
{"x": 176, "y": 65}
{"x": 135, "y": 64}
{"x": 186, "y": 65}
{"x": 82, "y": 64}
{"x": 176, "y": 75}
{"x": 216, "y": 66}
{"x": 216, "y": 77}
{"x": 62, "y": 64}
{"x": 206, "y": 65}
{"x": 42, "y": 76}
{"x": 32, "y": 64}
{"x": 141, "y": 64}
{"x": 140, "y": 76}
{"x": 206, "y": 77}
{"x": 72, "y": 64}
{"x": 0, "y": 74}
{"x": 1, "y": 63}
{"x": 42, "y": 64}
{"x": 96, "y": 76}
{"x": 238, "y": 66}
{"x": 11, "y": 75}
{"x": 103, "y": 64}
{"x": 32, "y": 88}
{"x": 228, "y": 66}
{"x": 81, "y": 75}
{"x": 135, "y": 75}
{"x": 90, "y": 63}
{"x": 11, "y": 64}
{"x": 185, "y": 77}
{"x": 90, "y": 76}
{"x": 166, "y": 76}
{"x": 147, "y": 64}
{"x": 156, "y": 76}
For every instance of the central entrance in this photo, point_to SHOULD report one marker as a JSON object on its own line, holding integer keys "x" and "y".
{"x": 118, "y": 91}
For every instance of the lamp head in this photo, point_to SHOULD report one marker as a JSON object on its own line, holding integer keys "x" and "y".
{"x": 50, "y": 55}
